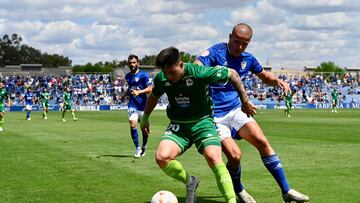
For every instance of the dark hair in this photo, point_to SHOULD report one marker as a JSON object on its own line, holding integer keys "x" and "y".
{"x": 167, "y": 57}
{"x": 131, "y": 56}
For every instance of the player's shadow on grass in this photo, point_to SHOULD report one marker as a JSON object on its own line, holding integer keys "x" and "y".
{"x": 115, "y": 155}
{"x": 200, "y": 199}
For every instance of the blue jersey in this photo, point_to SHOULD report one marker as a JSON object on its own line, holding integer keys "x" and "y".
{"x": 137, "y": 81}
{"x": 28, "y": 98}
{"x": 225, "y": 96}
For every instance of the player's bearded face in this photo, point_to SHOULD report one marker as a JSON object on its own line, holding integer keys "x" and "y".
{"x": 133, "y": 65}
{"x": 175, "y": 72}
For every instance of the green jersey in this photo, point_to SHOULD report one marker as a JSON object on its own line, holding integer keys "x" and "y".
{"x": 288, "y": 98}
{"x": 335, "y": 95}
{"x": 44, "y": 97}
{"x": 189, "y": 99}
{"x": 3, "y": 95}
{"x": 67, "y": 97}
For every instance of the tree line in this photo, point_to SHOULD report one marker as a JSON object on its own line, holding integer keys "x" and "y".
{"x": 14, "y": 52}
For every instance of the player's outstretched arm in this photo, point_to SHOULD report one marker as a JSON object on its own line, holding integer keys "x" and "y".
{"x": 270, "y": 79}
{"x": 150, "y": 105}
{"x": 247, "y": 106}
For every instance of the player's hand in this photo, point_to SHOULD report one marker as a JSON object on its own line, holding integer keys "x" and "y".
{"x": 249, "y": 108}
{"x": 135, "y": 92}
{"x": 285, "y": 86}
{"x": 145, "y": 127}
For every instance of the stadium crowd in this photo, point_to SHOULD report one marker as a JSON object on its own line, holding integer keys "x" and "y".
{"x": 105, "y": 89}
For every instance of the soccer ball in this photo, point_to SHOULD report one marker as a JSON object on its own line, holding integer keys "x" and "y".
{"x": 164, "y": 196}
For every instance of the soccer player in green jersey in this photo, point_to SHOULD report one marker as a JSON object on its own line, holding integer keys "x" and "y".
{"x": 3, "y": 95}
{"x": 67, "y": 104}
{"x": 190, "y": 112}
{"x": 288, "y": 103}
{"x": 44, "y": 98}
{"x": 335, "y": 99}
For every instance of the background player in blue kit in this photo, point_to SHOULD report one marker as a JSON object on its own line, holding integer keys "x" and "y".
{"x": 228, "y": 114}
{"x": 139, "y": 85}
{"x": 29, "y": 100}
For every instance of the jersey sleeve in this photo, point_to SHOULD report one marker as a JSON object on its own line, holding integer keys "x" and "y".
{"x": 158, "y": 88}
{"x": 147, "y": 80}
{"x": 208, "y": 57}
{"x": 209, "y": 73}
{"x": 256, "y": 66}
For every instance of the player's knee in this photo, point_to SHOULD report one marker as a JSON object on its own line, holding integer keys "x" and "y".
{"x": 162, "y": 159}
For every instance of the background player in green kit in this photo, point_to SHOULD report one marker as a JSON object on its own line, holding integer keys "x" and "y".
{"x": 67, "y": 104}
{"x": 288, "y": 103}
{"x": 191, "y": 122}
{"x": 44, "y": 98}
{"x": 335, "y": 99}
{"x": 3, "y": 95}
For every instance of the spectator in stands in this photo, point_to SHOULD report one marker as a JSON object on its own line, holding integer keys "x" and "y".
{"x": 228, "y": 114}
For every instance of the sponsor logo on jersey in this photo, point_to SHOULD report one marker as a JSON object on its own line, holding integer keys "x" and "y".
{"x": 205, "y": 53}
{"x": 189, "y": 82}
{"x": 243, "y": 65}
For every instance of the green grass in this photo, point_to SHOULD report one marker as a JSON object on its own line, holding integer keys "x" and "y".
{"x": 91, "y": 160}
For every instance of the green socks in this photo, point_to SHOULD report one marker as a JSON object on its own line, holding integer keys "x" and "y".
{"x": 175, "y": 170}
{"x": 2, "y": 120}
{"x": 224, "y": 182}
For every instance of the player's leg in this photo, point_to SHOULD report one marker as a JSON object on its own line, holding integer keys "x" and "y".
{"x": 145, "y": 136}
{"x": 208, "y": 143}
{"x": 171, "y": 145}
{"x": 73, "y": 113}
{"x": 28, "y": 111}
{"x": 133, "y": 117}
{"x": 234, "y": 120}
{"x": 2, "y": 118}
{"x": 63, "y": 113}
{"x": 252, "y": 132}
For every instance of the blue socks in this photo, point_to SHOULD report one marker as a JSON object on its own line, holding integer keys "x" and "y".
{"x": 27, "y": 114}
{"x": 135, "y": 137}
{"x": 235, "y": 174}
{"x": 273, "y": 165}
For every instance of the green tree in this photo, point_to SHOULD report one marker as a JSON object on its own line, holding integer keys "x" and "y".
{"x": 328, "y": 69}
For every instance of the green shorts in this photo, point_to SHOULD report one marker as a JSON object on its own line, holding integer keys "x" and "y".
{"x": 44, "y": 104}
{"x": 288, "y": 105}
{"x": 67, "y": 107}
{"x": 203, "y": 133}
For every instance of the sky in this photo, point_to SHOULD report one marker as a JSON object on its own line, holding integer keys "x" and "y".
{"x": 287, "y": 34}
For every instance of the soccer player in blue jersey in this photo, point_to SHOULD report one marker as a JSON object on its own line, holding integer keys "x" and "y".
{"x": 139, "y": 85}
{"x": 228, "y": 114}
{"x": 28, "y": 102}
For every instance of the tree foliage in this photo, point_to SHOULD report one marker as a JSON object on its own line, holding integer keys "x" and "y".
{"x": 13, "y": 52}
{"x": 329, "y": 67}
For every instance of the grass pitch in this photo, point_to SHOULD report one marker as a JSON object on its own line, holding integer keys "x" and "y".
{"x": 91, "y": 160}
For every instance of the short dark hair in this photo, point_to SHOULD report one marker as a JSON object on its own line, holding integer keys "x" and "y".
{"x": 167, "y": 57}
{"x": 131, "y": 56}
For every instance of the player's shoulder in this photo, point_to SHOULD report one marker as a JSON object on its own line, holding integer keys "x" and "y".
{"x": 219, "y": 48}
{"x": 248, "y": 55}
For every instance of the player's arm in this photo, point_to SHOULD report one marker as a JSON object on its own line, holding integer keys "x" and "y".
{"x": 143, "y": 91}
{"x": 247, "y": 106}
{"x": 9, "y": 101}
{"x": 150, "y": 105}
{"x": 270, "y": 79}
